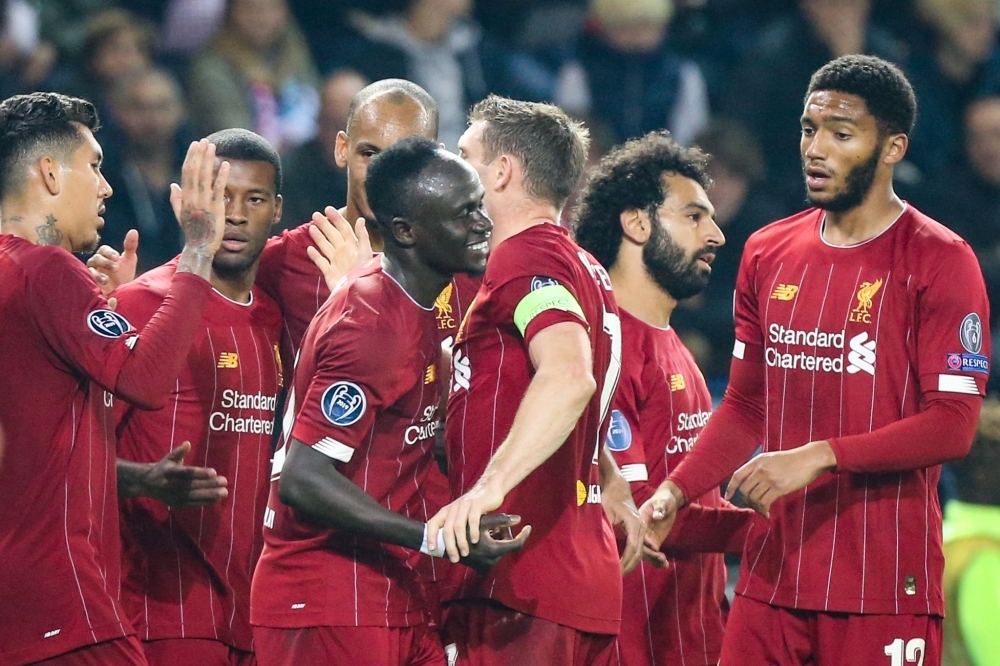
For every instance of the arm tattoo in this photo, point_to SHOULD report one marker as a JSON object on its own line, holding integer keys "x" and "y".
{"x": 48, "y": 234}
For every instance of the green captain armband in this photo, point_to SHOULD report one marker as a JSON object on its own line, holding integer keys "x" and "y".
{"x": 549, "y": 297}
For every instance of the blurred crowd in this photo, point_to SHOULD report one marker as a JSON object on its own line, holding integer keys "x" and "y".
{"x": 728, "y": 75}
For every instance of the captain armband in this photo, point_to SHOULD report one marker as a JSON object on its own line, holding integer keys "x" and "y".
{"x": 549, "y": 297}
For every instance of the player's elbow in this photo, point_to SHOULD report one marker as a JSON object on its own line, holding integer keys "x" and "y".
{"x": 294, "y": 487}
{"x": 574, "y": 382}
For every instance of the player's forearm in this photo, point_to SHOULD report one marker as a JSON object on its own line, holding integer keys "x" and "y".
{"x": 941, "y": 432}
{"x": 704, "y": 529}
{"x": 311, "y": 484}
{"x": 130, "y": 477}
{"x": 148, "y": 373}
{"x": 731, "y": 435}
{"x": 546, "y": 416}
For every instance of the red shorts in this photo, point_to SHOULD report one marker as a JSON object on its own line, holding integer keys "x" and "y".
{"x": 357, "y": 646}
{"x": 758, "y": 633}
{"x": 118, "y": 652}
{"x": 201, "y": 651}
{"x": 485, "y": 634}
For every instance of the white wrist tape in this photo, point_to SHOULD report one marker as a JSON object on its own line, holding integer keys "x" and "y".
{"x": 439, "y": 550}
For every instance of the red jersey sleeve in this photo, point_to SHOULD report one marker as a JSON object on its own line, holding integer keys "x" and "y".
{"x": 952, "y": 327}
{"x": 354, "y": 380}
{"x": 534, "y": 303}
{"x": 75, "y": 320}
{"x": 737, "y": 426}
{"x": 953, "y": 357}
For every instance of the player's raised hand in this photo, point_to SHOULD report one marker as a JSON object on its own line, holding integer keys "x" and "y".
{"x": 176, "y": 484}
{"x": 495, "y": 541}
{"x": 770, "y": 476}
{"x": 460, "y": 519}
{"x": 111, "y": 269}
{"x": 338, "y": 247}
{"x": 199, "y": 202}
{"x": 616, "y": 497}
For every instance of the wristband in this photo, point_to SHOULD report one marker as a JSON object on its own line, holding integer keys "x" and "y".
{"x": 440, "y": 548}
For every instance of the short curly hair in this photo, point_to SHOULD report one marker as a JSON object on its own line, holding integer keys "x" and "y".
{"x": 39, "y": 123}
{"x": 884, "y": 88}
{"x": 630, "y": 177}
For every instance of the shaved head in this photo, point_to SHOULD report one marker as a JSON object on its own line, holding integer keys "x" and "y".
{"x": 395, "y": 92}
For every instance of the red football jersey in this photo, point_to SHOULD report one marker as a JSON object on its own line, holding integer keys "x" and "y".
{"x": 186, "y": 572}
{"x": 288, "y": 275}
{"x": 568, "y": 571}
{"x": 852, "y": 339}
{"x": 63, "y": 352}
{"x": 677, "y": 615}
{"x": 366, "y": 395}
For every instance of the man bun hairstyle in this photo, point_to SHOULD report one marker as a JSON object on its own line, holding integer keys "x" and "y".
{"x": 630, "y": 177}
{"x": 883, "y": 87}
{"x": 246, "y": 146}
{"x": 550, "y": 146}
{"x": 37, "y": 124}
{"x": 392, "y": 178}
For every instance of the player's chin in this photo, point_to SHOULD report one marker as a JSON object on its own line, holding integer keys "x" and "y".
{"x": 89, "y": 246}
{"x": 474, "y": 265}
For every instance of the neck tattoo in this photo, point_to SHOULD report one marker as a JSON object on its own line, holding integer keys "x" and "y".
{"x": 48, "y": 234}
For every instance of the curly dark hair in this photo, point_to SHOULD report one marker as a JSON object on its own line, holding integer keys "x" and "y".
{"x": 37, "y": 122}
{"x": 883, "y": 87}
{"x": 630, "y": 177}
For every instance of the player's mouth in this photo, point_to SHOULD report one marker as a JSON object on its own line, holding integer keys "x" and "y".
{"x": 707, "y": 259}
{"x": 817, "y": 178}
{"x": 100, "y": 216}
{"x": 234, "y": 241}
{"x": 480, "y": 246}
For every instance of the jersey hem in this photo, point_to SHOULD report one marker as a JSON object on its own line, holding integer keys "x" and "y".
{"x": 80, "y": 639}
{"x": 851, "y": 605}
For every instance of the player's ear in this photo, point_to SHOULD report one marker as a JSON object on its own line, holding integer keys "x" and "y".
{"x": 897, "y": 145}
{"x": 636, "y": 225}
{"x": 402, "y": 231}
{"x": 279, "y": 208}
{"x": 340, "y": 150}
{"x": 50, "y": 173}
{"x": 504, "y": 173}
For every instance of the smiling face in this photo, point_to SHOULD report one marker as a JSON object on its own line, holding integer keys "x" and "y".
{"x": 841, "y": 150}
{"x": 83, "y": 192}
{"x": 252, "y": 208}
{"x": 450, "y": 226}
{"x": 683, "y": 239}
{"x": 376, "y": 126}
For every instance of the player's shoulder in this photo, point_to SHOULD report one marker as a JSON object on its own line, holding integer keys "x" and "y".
{"x": 928, "y": 235}
{"x": 289, "y": 242}
{"x": 801, "y": 224}
{"x": 531, "y": 252}
{"x": 153, "y": 283}
{"x": 367, "y": 300}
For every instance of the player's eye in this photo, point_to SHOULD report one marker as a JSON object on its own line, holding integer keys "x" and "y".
{"x": 843, "y": 136}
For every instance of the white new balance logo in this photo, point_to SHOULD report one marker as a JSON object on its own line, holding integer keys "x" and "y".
{"x": 462, "y": 371}
{"x": 862, "y": 354}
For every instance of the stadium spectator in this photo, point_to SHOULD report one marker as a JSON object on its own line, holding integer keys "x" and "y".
{"x": 315, "y": 178}
{"x": 25, "y": 59}
{"x": 963, "y": 62}
{"x": 145, "y": 150}
{"x": 637, "y": 83}
{"x": 63, "y": 23}
{"x": 765, "y": 91}
{"x": 257, "y": 73}
{"x": 432, "y": 43}
{"x": 116, "y": 44}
